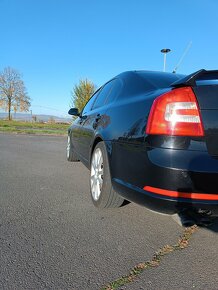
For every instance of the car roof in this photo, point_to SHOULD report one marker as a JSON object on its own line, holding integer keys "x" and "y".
{"x": 148, "y": 73}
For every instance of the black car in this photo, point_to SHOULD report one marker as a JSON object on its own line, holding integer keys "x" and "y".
{"x": 151, "y": 138}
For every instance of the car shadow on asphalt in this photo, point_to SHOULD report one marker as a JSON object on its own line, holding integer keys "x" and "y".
{"x": 214, "y": 226}
{"x": 189, "y": 217}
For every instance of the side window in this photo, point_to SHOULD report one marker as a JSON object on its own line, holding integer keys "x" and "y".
{"x": 90, "y": 103}
{"x": 114, "y": 92}
{"x": 103, "y": 94}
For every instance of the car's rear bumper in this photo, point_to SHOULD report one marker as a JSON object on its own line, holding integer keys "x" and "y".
{"x": 162, "y": 203}
{"x": 173, "y": 180}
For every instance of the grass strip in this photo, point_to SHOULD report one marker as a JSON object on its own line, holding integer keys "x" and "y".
{"x": 34, "y": 131}
{"x": 33, "y": 128}
{"x": 21, "y": 124}
{"x": 181, "y": 244}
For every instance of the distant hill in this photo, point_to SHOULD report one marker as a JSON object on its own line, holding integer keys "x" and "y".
{"x": 42, "y": 118}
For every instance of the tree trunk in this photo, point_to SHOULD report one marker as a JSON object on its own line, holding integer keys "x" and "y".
{"x": 9, "y": 109}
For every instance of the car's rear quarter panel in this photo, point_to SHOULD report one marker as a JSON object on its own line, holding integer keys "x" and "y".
{"x": 126, "y": 132}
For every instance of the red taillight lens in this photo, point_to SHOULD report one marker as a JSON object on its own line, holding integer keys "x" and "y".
{"x": 175, "y": 113}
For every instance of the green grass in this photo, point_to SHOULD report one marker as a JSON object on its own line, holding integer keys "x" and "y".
{"x": 20, "y": 127}
{"x": 155, "y": 261}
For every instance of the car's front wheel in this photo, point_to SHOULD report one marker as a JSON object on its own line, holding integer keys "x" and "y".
{"x": 102, "y": 193}
{"x": 71, "y": 156}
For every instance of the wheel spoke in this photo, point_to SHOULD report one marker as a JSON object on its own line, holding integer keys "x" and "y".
{"x": 94, "y": 185}
{"x": 98, "y": 158}
{"x": 95, "y": 161}
{"x": 100, "y": 180}
{"x": 92, "y": 179}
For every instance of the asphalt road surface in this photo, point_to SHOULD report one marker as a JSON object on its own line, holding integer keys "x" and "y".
{"x": 52, "y": 237}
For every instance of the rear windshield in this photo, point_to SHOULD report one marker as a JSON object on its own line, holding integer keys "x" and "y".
{"x": 207, "y": 78}
{"x": 206, "y": 82}
{"x": 159, "y": 80}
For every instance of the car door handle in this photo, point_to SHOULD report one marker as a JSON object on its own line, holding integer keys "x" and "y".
{"x": 82, "y": 118}
{"x": 98, "y": 117}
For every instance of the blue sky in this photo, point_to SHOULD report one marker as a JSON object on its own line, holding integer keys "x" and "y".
{"x": 55, "y": 43}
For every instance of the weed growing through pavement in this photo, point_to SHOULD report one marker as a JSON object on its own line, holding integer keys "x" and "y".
{"x": 182, "y": 243}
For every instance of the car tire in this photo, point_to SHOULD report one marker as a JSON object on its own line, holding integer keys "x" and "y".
{"x": 102, "y": 192}
{"x": 71, "y": 156}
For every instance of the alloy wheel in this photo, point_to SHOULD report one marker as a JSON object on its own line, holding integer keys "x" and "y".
{"x": 68, "y": 147}
{"x": 97, "y": 174}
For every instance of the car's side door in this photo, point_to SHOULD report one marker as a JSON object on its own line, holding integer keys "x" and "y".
{"x": 76, "y": 131}
{"x": 90, "y": 119}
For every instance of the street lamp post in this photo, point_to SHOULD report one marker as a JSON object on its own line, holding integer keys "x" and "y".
{"x": 165, "y": 51}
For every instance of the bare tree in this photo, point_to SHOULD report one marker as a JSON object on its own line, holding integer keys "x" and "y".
{"x": 13, "y": 94}
{"x": 82, "y": 93}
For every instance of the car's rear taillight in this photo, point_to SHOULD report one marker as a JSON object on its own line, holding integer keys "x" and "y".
{"x": 175, "y": 113}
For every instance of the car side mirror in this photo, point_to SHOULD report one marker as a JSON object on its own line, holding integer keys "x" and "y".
{"x": 74, "y": 112}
